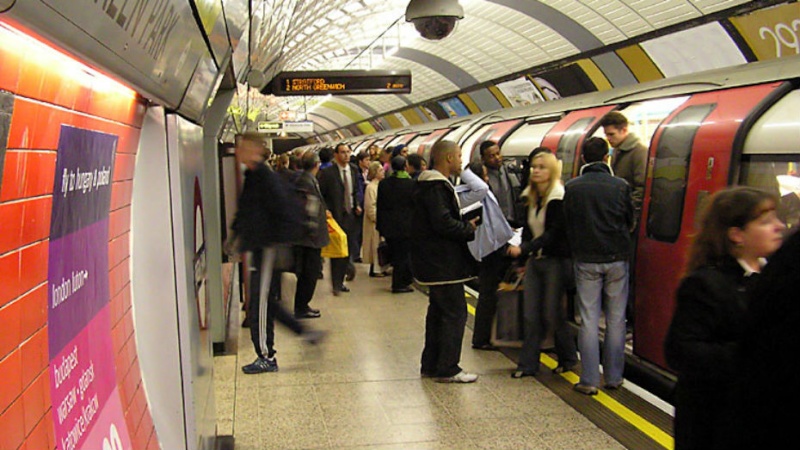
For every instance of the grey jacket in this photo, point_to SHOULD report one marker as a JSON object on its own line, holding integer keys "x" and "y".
{"x": 630, "y": 163}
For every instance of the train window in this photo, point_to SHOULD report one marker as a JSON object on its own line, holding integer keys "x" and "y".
{"x": 568, "y": 145}
{"x": 525, "y": 138}
{"x": 413, "y": 144}
{"x": 780, "y": 175}
{"x": 670, "y": 172}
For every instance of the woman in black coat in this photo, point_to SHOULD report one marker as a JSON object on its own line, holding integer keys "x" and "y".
{"x": 739, "y": 229}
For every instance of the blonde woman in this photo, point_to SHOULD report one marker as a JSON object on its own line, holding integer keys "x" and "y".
{"x": 371, "y": 238}
{"x": 544, "y": 243}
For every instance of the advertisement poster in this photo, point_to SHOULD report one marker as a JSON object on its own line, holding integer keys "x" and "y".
{"x": 87, "y": 410}
{"x": 454, "y": 107}
{"x": 520, "y": 92}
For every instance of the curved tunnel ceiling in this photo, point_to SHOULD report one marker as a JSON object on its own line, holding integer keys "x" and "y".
{"x": 495, "y": 39}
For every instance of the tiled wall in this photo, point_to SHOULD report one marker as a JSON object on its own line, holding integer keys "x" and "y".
{"x": 39, "y": 93}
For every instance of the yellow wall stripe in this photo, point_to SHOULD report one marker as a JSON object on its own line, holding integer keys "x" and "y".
{"x": 394, "y": 122}
{"x": 500, "y": 97}
{"x": 639, "y": 63}
{"x": 595, "y": 74}
{"x": 469, "y": 103}
{"x": 366, "y": 128}
{"x": 411, "y": 116}
{"x": 348, "y": 112}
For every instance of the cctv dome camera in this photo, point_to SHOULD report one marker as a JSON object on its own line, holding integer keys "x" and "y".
{"x": 434, "y": 19}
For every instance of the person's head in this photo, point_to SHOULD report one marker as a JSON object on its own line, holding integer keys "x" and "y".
{"x": 490, "y": 154}
{"x": 615, "y": 126}
{"x": 738, "y": 222}
{"x": 310, "y": 161}
{"x": 386, "y": 155}
{"x": 545, "y": 174}
{"x": 341, "y": 154}
{"x": 446, "y": 156}
{"x": 478, "y": 169}
{"x": 398, "y": 163}
{"x": 363, "y": 160}
{"x": 415, "y": 163}
{"x": 251, "y": 149}
{"x": 325, "y": 154}
{"x": 375, "y": 171}
{"x": 282, "y": 162}
{"x": 294, "y": 162}
{"x": 374, "y": 152}
{"x": 400, "y": 150}
{"x": 595, "y": 149}
{"x": 526, "y": 164}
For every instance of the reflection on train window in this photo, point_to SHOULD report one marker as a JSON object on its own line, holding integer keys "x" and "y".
{"x": 670, "y": 171}
{"x": 568, "y": 145}
{"x": 780, "y": 175}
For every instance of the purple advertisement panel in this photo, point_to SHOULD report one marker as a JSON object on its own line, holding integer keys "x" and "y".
{"x": 82, "y": 188}
{"x": 87, "y": 412}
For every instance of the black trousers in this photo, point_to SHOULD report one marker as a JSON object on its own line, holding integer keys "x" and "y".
{"x": 444, "y": 330}
{"x": 400, "y": 253}
{"x": 308, "y": 266}
{"x": 341, "y": 266}
{"x": 265, "y": 304}
{"x": 492, "y": 268}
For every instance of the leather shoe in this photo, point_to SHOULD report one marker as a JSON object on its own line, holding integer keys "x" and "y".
{"x": 484, "y": 347}
{"x": 402, "y": 290}
{"x": 344, "y": 289}
{"x": 309, "y": 314}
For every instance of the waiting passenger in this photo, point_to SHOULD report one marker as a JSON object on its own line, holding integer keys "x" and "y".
{"x": 493, "y": 266}
{"x": 309, "y": 264}
{"x": 371, "y": 236}
{"x": 739, "y": 228}
{"x": 339, "y": 188}
{"x": 494, "y": 232}
{"x": 544, "y": 242}
{"x": 629, "y": 158}
{"x": 266, "y": 217}
{"x": 415, "y": 165}
{"x": 440, "y": 259}
{"x": 395, "y": 205}
{"x": 599, "y": 218}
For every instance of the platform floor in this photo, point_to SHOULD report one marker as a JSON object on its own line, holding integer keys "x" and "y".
{"x": 361, "y": 388}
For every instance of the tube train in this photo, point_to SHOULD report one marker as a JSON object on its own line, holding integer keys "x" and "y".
{"x": 705, "y": 131}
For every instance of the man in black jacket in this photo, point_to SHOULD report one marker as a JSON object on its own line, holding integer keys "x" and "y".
{"x": 441, "y": 260}
{"x": 395, "y": 203}
{"x": 339, "y": 188}
{"x": 267, "y": 216}
{"x": 599, "y": 215}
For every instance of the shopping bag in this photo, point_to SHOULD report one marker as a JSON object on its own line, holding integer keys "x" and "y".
{"x": 507, "y": 328}
{"x": 337, "y": 247}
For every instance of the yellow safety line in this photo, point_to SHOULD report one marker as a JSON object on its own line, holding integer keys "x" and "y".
{"x": 652, "y": 431}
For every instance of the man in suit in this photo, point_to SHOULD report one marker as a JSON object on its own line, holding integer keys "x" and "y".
{"x": 339, "y": 188}
{"x": 395, "y": 204}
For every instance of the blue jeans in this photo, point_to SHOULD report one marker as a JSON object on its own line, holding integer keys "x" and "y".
{"x": 602, "y": 287}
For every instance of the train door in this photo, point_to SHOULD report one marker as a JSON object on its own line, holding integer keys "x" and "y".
{"x": 568, "y": 134}
{"x": 690, "y": 159}
{"x": 489, "y": 132}
{"x": 424, "y": 147}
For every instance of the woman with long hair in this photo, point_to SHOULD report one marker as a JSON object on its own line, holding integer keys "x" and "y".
{"x": 371, "y": 238}
{"x": 544, "y": 243}
{"x": 738, "y": 230}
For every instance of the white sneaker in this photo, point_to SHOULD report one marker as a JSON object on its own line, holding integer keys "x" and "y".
{"x": 460, "y": 377}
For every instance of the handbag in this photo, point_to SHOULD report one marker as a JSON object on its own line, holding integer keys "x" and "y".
{"x": 507, "y": 330}
{"x": 384, "y": 254}
{"x": 337, "y": 247}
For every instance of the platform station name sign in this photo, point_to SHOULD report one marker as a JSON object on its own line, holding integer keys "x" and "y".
{"x": 341, "y": 82}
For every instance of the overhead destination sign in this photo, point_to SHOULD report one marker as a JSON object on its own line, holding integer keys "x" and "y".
{"x": 341, "y": 82}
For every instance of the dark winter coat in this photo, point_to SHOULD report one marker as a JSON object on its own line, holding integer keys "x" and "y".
{"x": 395, "y": 204}
{"x": 599, "y": 215}
{"x": 268, "y": 212}
{"x": 316, "y": 226}
{"x": 439, "y": 253}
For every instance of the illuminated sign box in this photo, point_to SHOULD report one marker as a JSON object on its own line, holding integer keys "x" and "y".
{"x": 340, "y": 82}
{"x": 270, "y": 127}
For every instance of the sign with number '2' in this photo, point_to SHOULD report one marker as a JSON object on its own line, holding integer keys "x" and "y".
{"x": 87, "y": 410}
